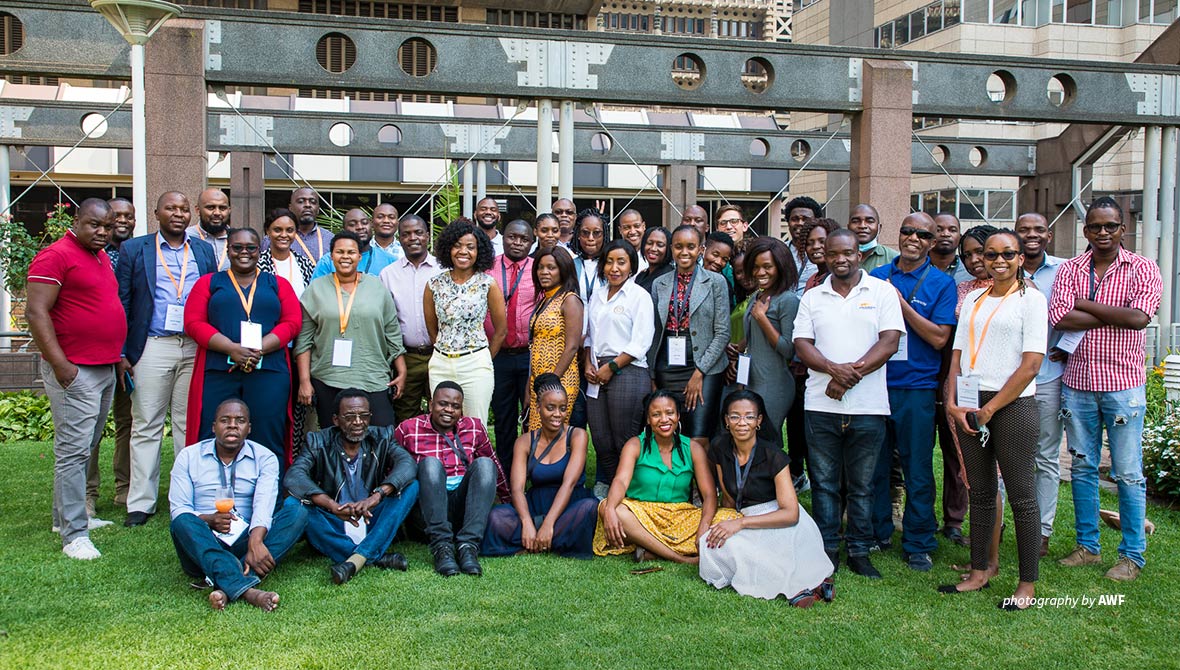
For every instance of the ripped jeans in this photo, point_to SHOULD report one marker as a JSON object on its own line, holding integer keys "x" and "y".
{"x": 1086, "y": 414}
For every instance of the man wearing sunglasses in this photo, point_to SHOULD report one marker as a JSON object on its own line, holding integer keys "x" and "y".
{"x": 928, "y": 300}
{"x": 1103, "y": 300}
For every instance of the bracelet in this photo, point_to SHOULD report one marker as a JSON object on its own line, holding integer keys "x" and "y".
{"x": 614, "y": 367}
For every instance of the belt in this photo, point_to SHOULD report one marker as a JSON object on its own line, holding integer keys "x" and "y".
{"x": 462, "y": 353}
{"x": 514, "y": 350}
{"x": 424, "y": 350}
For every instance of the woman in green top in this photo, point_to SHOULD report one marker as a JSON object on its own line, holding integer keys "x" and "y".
{"x": 649, "y": 508}
{"x": 350, "y": 338}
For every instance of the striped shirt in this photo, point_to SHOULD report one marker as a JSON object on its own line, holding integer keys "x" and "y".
{"x": 1108, "y": 358}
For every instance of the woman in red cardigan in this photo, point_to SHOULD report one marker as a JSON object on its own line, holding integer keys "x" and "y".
{"x": 242, "y": 320}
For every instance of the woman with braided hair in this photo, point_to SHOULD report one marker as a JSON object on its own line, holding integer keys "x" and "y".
{"x": 649, "y": 506}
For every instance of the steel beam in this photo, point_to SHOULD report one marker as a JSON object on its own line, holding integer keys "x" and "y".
{"x": 270, "y": 48}
{"x": 57, "y": 123}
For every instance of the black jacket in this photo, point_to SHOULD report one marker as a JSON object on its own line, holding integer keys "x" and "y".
{"x": 319, "y": 468}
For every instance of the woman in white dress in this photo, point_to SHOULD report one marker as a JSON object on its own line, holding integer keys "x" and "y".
{"x": 775, "y": 548}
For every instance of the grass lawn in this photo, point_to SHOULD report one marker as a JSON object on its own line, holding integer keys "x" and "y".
{"x": 133, "y": 608}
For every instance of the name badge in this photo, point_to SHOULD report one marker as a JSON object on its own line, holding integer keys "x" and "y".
{"x": 342, "y": 353}
{"x": 743, "y": 369}
{"x": 251, "y": 335}
{"x": 967, "y": 392}
{"x": 174, "y": 318}
{"x": 1070, "y": 340}
{"x": 903, "y": 349}
{"x": 592, "y": 390}
{"x": 678, "y": 350}
{"x": 358, "y": 532}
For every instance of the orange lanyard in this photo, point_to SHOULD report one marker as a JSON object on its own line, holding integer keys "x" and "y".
{"x": 973, "y": 347}
{"x": 183, "y": 267}
{"x": 345, "y": 313}
{"x": 224, "y": 250}
{"x": 247, "y": 303}
{"x": 304, "y": 246}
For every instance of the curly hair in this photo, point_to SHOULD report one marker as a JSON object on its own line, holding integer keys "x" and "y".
{"x": 587, "y": 213}
{"x": 456, "y": 230}
{"x": 805, "y": 202}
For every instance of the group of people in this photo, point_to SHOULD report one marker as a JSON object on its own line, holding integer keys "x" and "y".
{"x": 678, "y": 356}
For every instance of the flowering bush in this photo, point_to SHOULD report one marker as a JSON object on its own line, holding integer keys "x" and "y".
{"x": 18, "y": 247}
{"x": 1161, "y": 455}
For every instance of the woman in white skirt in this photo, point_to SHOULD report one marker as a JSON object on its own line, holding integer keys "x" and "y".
{"x": 774, "y": 548}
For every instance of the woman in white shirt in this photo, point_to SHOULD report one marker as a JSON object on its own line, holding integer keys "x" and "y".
{"x": 999, "y": 344}
{"x": 621, "y": 327}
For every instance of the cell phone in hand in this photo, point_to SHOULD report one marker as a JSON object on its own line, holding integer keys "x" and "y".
{"x": 973, "y": 420}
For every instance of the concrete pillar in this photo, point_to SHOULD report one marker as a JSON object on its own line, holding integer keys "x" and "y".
{"x": 774, "y": 219}
{"x": 468, "y": 200}
{"x": 565, "y": 155}
{"x": 247, "y": 185}
{"x": 176, "y": 98}
{"x": 1167, "y": 210}
{"x": 544, "y": 155}
{"x": 879, "y": 167}
{"x": 1150, "y": 228}
{"x": 481, "y": 180}
{"x": 680, "y": 185}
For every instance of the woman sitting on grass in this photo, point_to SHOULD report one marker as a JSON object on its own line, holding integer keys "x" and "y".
{"x": 649, "y": 508}
{"x": 774, "y": 548}
{"x": 557, "y": 512}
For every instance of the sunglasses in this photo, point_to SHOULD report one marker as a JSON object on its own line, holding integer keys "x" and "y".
{"x": 993, "y": 255}
{"x": 906, "y": 231}
{"x": 1111, "y": 228}
{"x": 239, "y": 248}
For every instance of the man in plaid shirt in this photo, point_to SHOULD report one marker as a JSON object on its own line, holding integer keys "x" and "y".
{"x": 1107, "y": 296}
{"x": 459, "y": 479}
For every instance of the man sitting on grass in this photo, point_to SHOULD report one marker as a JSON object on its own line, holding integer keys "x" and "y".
{"x": 360, "y": 485}
{"x": 231, "y": 547}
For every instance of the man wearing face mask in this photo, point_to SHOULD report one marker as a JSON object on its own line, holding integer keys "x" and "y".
{"x": 374, "y": 259}
{"x": 865, "y": 223}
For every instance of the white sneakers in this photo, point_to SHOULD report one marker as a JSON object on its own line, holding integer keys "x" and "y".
{"x": 93, "y": 523}
{"x": 81, "y": 549}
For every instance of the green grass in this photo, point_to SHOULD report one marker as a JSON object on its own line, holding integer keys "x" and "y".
{"x": 133, "y": 608}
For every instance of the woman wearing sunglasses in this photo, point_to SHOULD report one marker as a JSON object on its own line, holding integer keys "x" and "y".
{"x": 999, "y": 345}
{"x": 242, "y": 320}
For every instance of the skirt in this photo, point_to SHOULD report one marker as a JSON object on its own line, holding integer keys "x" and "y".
{"x": 673, "y": 524}
{"x": 769, "y": 562}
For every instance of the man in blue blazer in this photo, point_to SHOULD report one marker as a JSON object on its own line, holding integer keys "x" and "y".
{"x": 156, "y": 273}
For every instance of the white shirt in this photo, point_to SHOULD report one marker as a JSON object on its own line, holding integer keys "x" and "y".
{"x": 498, "y": 243}
{"x": 1021, "y": 324}
{"x": 289, "y": 270}
{"x": 844, "y": 329}
{"x": 624, "y": 324}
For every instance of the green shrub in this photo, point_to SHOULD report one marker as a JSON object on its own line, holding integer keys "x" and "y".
{"x": 25, "y": 415}
{"x": 1161, "y": 455}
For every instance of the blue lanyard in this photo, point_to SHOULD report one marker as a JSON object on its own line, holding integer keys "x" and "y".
{"x": 917, "y": 286}
{"x": 504, "y": 280}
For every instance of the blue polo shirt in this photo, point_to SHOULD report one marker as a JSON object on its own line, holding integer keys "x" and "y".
{"x": 935, "y": 300}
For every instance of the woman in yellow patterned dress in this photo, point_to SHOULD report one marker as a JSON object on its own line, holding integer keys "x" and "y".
{"x": 555, "y": 329}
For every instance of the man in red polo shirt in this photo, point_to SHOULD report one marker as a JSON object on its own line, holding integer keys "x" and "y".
{"x": 78, "y": 324}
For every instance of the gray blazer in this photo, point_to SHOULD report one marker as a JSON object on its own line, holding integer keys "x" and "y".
{"x": 708, "y": 308}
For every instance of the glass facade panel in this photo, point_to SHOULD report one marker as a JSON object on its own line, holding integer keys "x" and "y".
{"x": 972, "y": 203}
{"x": 1004, "y": 11}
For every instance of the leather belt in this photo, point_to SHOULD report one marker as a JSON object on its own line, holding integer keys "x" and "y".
{"x": 424, "y": 350}
{"x": 462, "y": 353}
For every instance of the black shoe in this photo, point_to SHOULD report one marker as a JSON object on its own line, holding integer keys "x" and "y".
{"x": 468, "y": 560}
{"x": 954, "y": 535}
{"x": 342, "y": 572}
{"x": 444, "y": 559}
{"x": 953, "y": 588}
{"x": 920, "y": 562}
{"x": 136, "y": 519}
{"x": 881, "y": 545}
{"x": 863, "y": 567}
{"x": 394, "y": 561}
{"x": 834, "y": 557}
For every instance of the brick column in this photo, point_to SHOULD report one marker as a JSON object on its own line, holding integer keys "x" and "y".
{"x": 879, "y": 170}
{"x": 175, "y": 99}
{"x": 247, "y": 185}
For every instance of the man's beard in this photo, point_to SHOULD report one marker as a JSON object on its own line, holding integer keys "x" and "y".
{"x": 307, "y": 220}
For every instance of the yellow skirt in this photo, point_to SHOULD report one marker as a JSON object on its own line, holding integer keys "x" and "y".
{"x": 673, "y": 524}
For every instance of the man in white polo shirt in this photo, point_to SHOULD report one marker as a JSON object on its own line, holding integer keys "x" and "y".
{"x": 846, "y": 329}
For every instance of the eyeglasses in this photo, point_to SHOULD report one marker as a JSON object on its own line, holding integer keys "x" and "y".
{"x": 993, "y": 255}
{"x": 356, "y": 416}
{"x": 1111, "y": 227}
{"x": 564, "y": 211}
{"x": 729, "y": 222}
{"x": 741, "y": 418}
{"x": 906, "y": 231}
{"x": 239, "y": 248}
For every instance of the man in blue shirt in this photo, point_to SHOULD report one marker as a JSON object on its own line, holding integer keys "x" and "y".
{"x": 1041, "y": 268}
{"x": 233, "y": 550}
{"x": 374, "y": 259}
{"x": 928, "y": 300}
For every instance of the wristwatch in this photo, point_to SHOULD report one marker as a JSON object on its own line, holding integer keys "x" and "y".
{"x": 380, "y": 490}
{"x": 614, "y": 367}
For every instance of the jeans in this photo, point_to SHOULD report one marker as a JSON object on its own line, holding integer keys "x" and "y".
{"x": 1048, "y": 459}
{"x": 1086, "y": 413}
{"x": 325, "y": 531}
{"x": 438, "y": 509}
{"x": 201, "y": 554}
{"x": 843, "y": 449}
{"x": 909, "y": 430}
{"x": 510, "y": 399}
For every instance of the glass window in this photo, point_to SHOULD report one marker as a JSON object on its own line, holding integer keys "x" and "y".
{"x": 1108, "y": 12}
{"x": 946, "y": 200}
{"x": 1001, "y": 206}
{"x": 885, "y": 36}
{"x": 1034, "y": 12}
{"x": 1004, "y": 11}
{"x": 1165, "y": 11}
{"x": 1079, "y": 11}
{"x": 972, "y": 203}
{"x": 951, "y": 13}
{"x": 930, "y": 203}
{"x": 916, "y": 202}
{"x": 975, "y": 11}
{"x": 901, "y": 31}
{"x": 934, "y": 17}
{"x": 917, "y": 24}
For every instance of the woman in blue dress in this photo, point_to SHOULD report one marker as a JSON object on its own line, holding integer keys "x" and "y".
{"x": 557, "y": 513}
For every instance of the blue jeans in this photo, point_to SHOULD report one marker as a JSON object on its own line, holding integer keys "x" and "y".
{"x": 910, "y": 429}
{"x": 439, "y": 510}
{"x": 201, "y": 554}
{"x": 843, "y": 449}
{"x": 1086, "y": 413}
{"x": 326, "y": 533}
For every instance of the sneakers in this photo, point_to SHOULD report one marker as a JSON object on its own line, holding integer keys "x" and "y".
{"x": 1080, "y": 556}
{"x": 920, "y": 562}
{"x": 1124, "y": 570}
{"x": 93, "y": 523}
{"x": 81, "y": 549}
{"x": 802, "y": 484}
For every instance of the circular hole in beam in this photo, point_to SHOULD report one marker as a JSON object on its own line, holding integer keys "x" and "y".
{"x": 940, "y": 153}
{"x": 800, "y": 150}
{"x": 94, "y": 125}
{"x": 335, "y": 52}
{"x": 757, "y": 75}
{"x": 1061, "y": 89}
{"x": 759, "y": 148}
{"x": 688, "y": 71}
{"x": 1001, "y": 87}
{"x": 977, "y": 157}
{"x": 340, "y": 134}
{"x": 417, "y": 57}
{"x": 13, "y": 37}
{"x": 600, "y": 143}
{"x": 389, "y": 134}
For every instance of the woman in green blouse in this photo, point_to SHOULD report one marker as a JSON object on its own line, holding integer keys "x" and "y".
{"x": 649, "y": 508}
